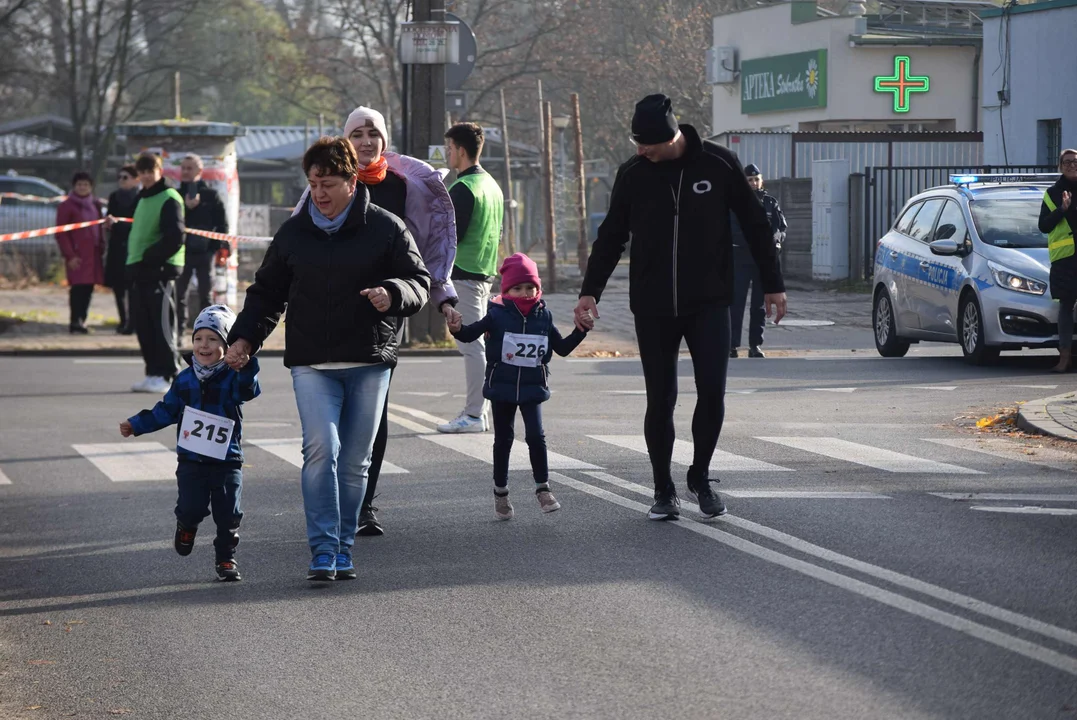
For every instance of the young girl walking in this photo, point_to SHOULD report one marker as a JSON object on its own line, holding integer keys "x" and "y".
{"x": 520, "y": 340}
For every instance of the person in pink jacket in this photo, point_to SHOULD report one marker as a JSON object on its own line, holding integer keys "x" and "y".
{"x": 83, "y": 250}
{"x": 415, "y": 192}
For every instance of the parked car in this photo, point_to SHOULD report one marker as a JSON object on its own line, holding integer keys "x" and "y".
{"x": 966, "y": 263}
{"x": 18, "y": 215}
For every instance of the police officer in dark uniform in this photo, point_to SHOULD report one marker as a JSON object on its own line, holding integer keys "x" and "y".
{"x": 747, "y": 271}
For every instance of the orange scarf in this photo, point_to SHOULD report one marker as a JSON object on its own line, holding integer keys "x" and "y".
{"x": 374, "y": 173}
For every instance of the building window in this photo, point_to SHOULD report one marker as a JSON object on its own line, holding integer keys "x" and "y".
{"x": 1049, "y": 134}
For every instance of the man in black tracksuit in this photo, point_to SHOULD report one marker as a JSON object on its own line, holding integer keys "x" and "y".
{"x": 673, "y": 200}
{"x": 205, "y": 211}
{"x": 747, "y": 273}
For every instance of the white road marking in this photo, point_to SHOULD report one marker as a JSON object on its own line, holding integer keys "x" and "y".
{"x": 963, "y": 601}
{"x": 419, "y": 414}
{"x": 835, "y": 390}
{"x": 1036, "y": 387}
{"x": 423, "y": 394}
{"x": 931, "y": 387}
{"x": 410, "y": 424}
{"x": 1006, "y": 497}
{"x": 805, "y": 494}
{"x": 4, "y": 479}
{"x": 290, "y": 450}
{"x": 257, "y": 424}
{"x": 1026, "y": 510}
{"x": 739, "y": 392}
{"x": 997, "y": 447}
{"x": 878, "y": 458}
{"x": 95, "y": 598}
{"x": 625, "y": 392}
{"x": 481, "y": 447}
{"x": 131, "y": 461}
{"x": 420, "y": 361}
{"x": 682, "y": 455}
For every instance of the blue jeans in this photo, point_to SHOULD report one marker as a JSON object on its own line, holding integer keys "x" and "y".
{"x": 340, "y": 411}
{"x": 211, "y": 486}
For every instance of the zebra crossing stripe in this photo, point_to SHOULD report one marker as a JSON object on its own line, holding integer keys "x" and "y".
{"x": 878, "y": 458}
{"x": 290, "y": 450}
{"x": 4, "y": 480}
{"x": 997, "y": 447}
{"x": 417, "y": 414}
{"x": 683, "y": 450}
{"x": 1006, "y": 497}
{"x": 480, "y": 446}
{"x": 131, "y": 461}
{"x": 805, "y": 494}
{"x": 1026, "y": 510}
{"x": 409, "y": 424}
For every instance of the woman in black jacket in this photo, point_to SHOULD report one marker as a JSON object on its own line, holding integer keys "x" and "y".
{"x": 345, "y": 270}
{"x": 121, "y": 204}
{"x": 1058, "y": 218}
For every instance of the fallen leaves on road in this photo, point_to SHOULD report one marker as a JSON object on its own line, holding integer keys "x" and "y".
{"x": 47, "y": 622}
{"x": 34, "y": 707}
{"x": 601, "y": 354}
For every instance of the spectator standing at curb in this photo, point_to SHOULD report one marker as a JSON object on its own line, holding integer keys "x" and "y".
{"x": 154, "y": 260}
{"x": 1058, "y": 218}
{"x": 673, "y": 201}
{"x": 480, "y": 207}
{"x": 204, "y": 210}
{"x": 747, "y": 272}
{"x": 121, "y": 204}
{"x": 82, "y": 250}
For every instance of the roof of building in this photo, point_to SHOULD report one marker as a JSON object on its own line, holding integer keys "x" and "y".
{"x": 1031, "y": 7}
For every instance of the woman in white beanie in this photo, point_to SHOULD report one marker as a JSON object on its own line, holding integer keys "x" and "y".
{"x": 415, "y": 192}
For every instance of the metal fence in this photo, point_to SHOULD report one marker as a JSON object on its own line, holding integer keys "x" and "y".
{"x": 887, "y": 189}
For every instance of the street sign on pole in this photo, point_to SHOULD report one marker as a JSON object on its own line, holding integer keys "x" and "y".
{"x": 429, "y": 43}
{"x": 457, "y": 74}
{"x": 456, "y": 101}
{"x": 435, "y": 155}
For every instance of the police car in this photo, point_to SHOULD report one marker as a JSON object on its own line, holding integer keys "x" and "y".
{"x": 967, "y": 263}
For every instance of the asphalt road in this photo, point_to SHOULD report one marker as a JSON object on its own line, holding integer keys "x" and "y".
{"x": 878, "y": 560}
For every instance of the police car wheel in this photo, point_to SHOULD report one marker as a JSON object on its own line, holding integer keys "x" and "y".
{"x": 971, "y": 334}
{"x": 883, "y": 323}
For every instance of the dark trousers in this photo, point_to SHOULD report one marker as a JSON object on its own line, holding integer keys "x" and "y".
{"x": 206, "y": 488}
{"x": 201, "y": 265}
{"x": 79, "y": 299}
{"x": 153, "y": 309}
{"x": 505, "y": 432}
{"x": 707, "y": 335}
{"x": 122, "y": 294}
{"x": 377, "y": 455}
{"x": 745, "y": 273}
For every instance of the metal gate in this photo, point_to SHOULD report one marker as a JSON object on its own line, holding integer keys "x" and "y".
{"x": 887, "y": 189}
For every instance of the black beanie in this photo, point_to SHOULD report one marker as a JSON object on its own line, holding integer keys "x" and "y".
{"x": 654, "y": 122}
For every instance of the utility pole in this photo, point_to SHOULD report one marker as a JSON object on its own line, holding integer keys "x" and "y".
{"x": 551, "y": 220}
{"x": 581, "y": 186}
{"x": 510, "y": 213}
{"x": 426, "y": 127}
{"x": 176, "y": 96}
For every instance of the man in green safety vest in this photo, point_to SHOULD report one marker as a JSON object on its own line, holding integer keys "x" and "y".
{"x": 155, "y": 257}
{"x": 1058, "y": 219}
{"x": 480, "y": 206}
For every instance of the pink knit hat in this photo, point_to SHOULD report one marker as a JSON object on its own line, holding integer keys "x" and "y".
{"x": 517, "y": 270}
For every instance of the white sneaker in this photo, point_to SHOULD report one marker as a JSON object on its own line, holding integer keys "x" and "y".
{"x": 157, "y": 386}
{"x": 140, "y": 386}
{"x": 464, "y": 423}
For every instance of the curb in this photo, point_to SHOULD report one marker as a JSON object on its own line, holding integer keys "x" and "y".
{"x": 125, "y": 352}
{"x": 1035, "y": 416}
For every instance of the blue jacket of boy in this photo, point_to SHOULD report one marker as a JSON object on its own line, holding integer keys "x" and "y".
{"x": 222, "y": 394}
{"x": 508, "y": 382}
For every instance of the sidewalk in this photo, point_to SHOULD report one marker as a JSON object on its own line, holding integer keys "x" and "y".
{"x": 1056, "y": 415}
{"x": 34, "y": 321}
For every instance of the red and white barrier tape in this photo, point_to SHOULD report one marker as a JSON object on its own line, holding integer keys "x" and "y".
{"x": 27, "y": 234}
{"x": 32, "y": 198}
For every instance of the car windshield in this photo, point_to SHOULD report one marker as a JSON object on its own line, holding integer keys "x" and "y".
{"x": 1009, "y": 223}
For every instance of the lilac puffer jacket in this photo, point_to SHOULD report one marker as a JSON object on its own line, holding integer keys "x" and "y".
{"x": 430, "y": 219}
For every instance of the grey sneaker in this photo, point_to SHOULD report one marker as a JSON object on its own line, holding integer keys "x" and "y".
{"x": 547, "y": 501}
{"x": 666, "y": 505}
{"x": 502, "y": 507}
{"x": 710, "y": 505}
{"x": 464, "y": 423}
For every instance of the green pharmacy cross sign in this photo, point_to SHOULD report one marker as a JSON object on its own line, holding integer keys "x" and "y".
{"x": 901, "y": 84}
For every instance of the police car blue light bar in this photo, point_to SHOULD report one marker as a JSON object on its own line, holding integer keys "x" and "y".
{"x": 961, "y": 180}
